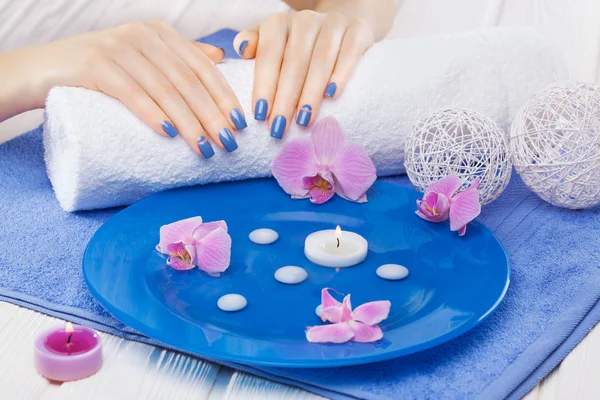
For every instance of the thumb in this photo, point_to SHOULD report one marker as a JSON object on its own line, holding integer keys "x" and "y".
{"x": 246, "y": 42}
{"x": 216, "y": 54}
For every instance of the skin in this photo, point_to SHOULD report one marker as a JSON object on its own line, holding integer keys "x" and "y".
{"x": 298, "y": 54}
{"x": 159, "y": 75}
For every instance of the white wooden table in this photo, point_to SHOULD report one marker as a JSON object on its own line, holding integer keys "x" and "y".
{"x": 138, "y": 371}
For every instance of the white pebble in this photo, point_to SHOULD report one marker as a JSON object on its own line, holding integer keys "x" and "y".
{"x": 263, "y": 236}
{"x": 319, "y": 310}
{"x": 291, "y": 275}
{"x": 232, "y": 302}
{"x": 392, "y": 272}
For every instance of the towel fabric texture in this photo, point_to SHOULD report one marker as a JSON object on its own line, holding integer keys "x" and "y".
{"x": 100, "y": 155}
{"x": 551, "y": 304}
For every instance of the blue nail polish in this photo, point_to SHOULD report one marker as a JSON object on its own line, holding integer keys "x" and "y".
{"x": 278, "y": 127}
{"x": 228, "y": 140}
{"x": 242, "y": 47}
{"x": 260, "y": 110}
{"x": 304, "y": 115}
{"x": 205, "y": 147}
{"x": 169, "y": 129}
{"x": 331, "y": 88}
{"x": 238, "y": 119}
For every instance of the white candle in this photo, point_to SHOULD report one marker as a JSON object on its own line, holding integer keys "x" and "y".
{"x": 331, "y": 248}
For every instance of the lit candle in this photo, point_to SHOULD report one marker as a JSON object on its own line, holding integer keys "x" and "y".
{"x": 331, "y": 248}
{"x": 68, "y": 353}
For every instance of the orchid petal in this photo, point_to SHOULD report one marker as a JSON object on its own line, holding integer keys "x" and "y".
{"x": 213, "y": 252}
{"x": 320, "y": 188}
{"x": 372, "y": 313}
{"x": 201, "y": 231}
{"x": 179, "y": 264}
{"x": 327, "y": 300}
{"x": 334, "y": 333}
{"x": 464, "y": 207}
{"x": 354, "y": 172}
{"x": 433, "y": 207}
{"x": 296, "y": 161}
{"x": 462, "y": 231}
{"x": 179, "y": 256}
{"x": 346, "y": 313}
{"x": 332, "y": 314}
{"x": 364, "y": 333}
{"x": 427, "y": 217}
{"x": 328, "y": 138}
{"x": 347, "y": 303}
{"x": 180, "y": 231}
{"x": 447, "y": 185}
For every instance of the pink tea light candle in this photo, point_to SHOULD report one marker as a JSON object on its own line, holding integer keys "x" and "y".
{"x": 68, "y": 353}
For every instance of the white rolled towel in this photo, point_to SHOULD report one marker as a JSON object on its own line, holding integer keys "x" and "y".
{"x": 99, "y": 155}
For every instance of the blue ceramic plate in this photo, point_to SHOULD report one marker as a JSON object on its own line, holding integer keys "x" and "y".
{"x": 454, "y": 283}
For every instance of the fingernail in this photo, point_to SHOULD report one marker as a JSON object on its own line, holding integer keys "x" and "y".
{"x": 169, "y": 129}
{"x": 242, "y": 47}
{"x": 331, "y": 88}
{"x": 278, "y": 127}
{"x": 205, "y": 147}
{"x": 260, "y": 110}
{"x": 228, "y": 140}
{"x": 304, "y": 115}
{"x": 238, "y": 119}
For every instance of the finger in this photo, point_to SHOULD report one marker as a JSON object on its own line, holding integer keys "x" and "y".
{"x": 210, "y": 77}
{"x": 298, "y": 52}
{"x": 272, "y": 39}
{"x": 216, "y": 54}
{"x": 322, "y": 63}
{"x": 246, "y": 42}
{"x": 191, "y": 89}
{"x": 164, "y": 95}
{"x": 358, "y": 39}
{"x": 115, "y": 82}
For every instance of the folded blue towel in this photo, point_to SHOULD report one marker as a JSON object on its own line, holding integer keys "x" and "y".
{"x": 551, "y": 304}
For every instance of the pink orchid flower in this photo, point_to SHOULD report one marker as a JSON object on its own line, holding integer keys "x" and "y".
{"x": 323, "y": 165}
{"x": 359, "y": 325}
{"x": 440, "y": 203}
{"x": 190, "y": 242}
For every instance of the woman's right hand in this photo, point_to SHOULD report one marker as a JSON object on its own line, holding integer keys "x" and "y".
{"x": 169, "y": 82}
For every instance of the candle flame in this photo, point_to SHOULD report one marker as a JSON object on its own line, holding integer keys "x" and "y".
{"x": 338, "y": 232}
{"x": 69, "y": 328}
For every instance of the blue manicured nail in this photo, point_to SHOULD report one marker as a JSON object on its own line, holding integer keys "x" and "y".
{"x": 169, "y": 129}
{"x": 243, "y": 46}
{"x": 260, "y": 110}
{"x": 331, "y": 88}
{"x": 278, "y": 127}
{"x": 238, "y": 119}
{"x": 228, "y": 140}
{"x": 205, "y": 147}
{"x": 304, "y": 115}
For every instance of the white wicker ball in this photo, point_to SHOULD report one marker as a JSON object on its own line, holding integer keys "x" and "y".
{"x": 460, "y": 142}
{"x": 555, "y": 142}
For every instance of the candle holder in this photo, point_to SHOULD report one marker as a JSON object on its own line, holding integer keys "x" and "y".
{"x": 68, "y": 353}
{"x": 331, "y": 248}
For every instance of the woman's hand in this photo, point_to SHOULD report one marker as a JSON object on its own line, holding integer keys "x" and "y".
{"x": 300, "y": 58}
{"x": 169, "y": 82}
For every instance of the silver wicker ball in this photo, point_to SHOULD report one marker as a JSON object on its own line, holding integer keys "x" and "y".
{"x": 555, "y": 142}
{"x": 460, "y": 142}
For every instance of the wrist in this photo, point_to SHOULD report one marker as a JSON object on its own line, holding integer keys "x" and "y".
{"x": 378, "y": 15}
{"x": 24, "y": 87}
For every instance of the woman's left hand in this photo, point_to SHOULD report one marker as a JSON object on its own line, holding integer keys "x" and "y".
{"x": 301, "y": 57}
